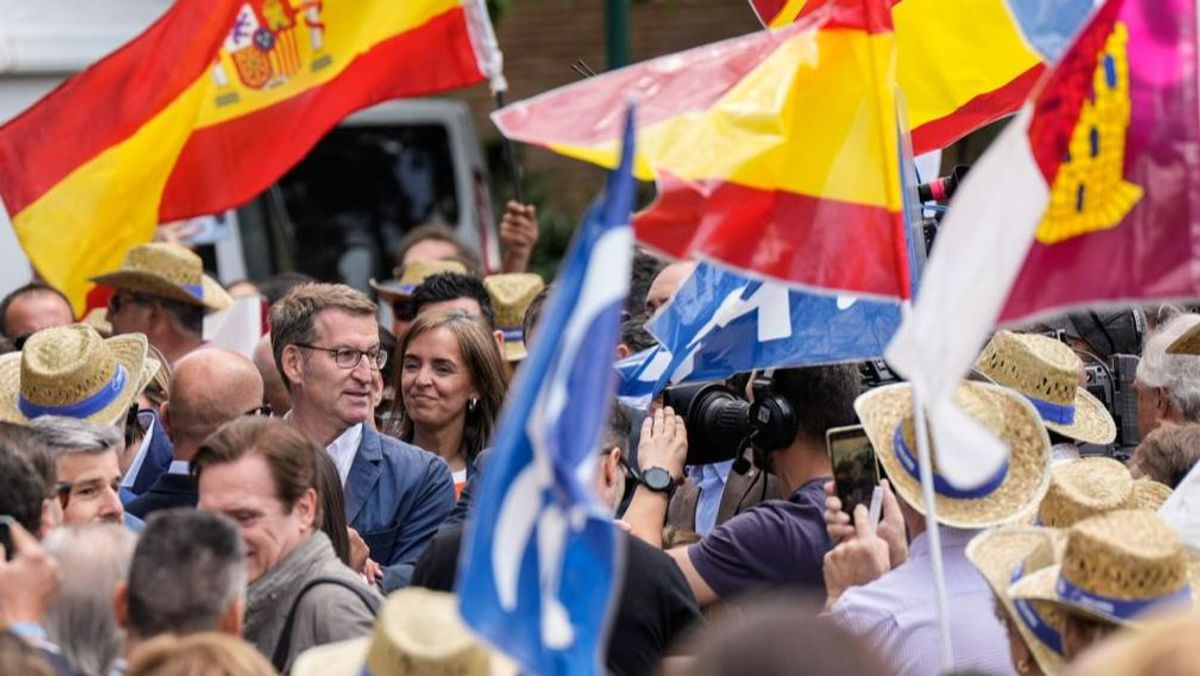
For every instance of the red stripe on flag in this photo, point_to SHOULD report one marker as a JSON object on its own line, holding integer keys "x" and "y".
{"x": 981, "y": 110}
{"x": 767, "y": 10}
{"x": 230, "y": 163}
{"x": 109, "y": 101}
{"x": 807, "y": 240}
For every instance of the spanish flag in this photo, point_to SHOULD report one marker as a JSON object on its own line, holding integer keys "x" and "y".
{"x": 207, "y": 108}
{"x": 775, "y": 153}
{"x": 961, "y": 63}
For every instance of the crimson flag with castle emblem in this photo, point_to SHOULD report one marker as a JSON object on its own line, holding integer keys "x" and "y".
{"x": 208, "y": 107}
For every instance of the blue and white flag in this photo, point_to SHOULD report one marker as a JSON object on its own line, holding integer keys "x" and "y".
{"x": 720, "y": 323}
{"x": 541, "y": 558}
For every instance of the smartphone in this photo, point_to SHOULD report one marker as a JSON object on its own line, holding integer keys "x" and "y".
{"x": 6, "y": 522}
{"x": 855, "y": 470}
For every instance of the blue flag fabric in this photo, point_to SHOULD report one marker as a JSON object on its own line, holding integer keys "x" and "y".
{"x": 541, "y": 561}
{"x": 720, "y": 323}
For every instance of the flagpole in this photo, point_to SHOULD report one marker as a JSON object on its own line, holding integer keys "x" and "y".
{"x": 510, "y": 156}
{"x": 932, "y": 532}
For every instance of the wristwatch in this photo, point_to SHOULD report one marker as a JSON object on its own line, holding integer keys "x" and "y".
{"x": 658, "y": 480}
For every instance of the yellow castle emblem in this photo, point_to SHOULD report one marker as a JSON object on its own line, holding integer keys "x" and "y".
{"x": 1090, "y": 193}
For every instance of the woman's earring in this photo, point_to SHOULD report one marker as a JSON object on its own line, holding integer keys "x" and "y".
{"x": 471, "y": 405}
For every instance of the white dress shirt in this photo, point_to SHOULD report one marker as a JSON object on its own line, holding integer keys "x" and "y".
{"x": 897, "y": 614}
{"x": 343, "y": 448}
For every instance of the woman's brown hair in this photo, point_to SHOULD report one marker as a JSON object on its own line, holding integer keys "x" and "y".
{"x": 484, "y": 365}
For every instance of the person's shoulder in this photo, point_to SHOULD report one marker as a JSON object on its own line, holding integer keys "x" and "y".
{"x": 396, "y": 451}
{"x": 339, "y": 586}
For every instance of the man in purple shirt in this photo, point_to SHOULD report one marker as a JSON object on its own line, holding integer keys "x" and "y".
{"x": 777, "y": 543}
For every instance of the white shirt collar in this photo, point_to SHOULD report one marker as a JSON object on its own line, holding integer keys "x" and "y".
{"x": 136, "y": 466}
{"x": 344, "y": 447}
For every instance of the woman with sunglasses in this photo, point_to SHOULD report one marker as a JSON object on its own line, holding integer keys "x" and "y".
{"x": 450, "y": 384}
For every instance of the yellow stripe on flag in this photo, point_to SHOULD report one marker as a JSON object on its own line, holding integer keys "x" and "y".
{"x": 350, "y": 27}
{"x": 971, "y": 50}
{"x": 76, "y": 228}
{"x": 819, "y": 135}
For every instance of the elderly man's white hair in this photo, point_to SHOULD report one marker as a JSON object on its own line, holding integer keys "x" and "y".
{"x": 81, "y": 619}
{"x": 1178, "y": 374}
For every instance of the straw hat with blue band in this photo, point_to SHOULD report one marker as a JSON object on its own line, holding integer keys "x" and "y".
{"x": 1005, "y": 555}
{"x": 418, "y": 633}
{"x": 411, "y": 276}
{"x": 1123, "y": 567}
{"x": 511, "y": 295}
{"x": 1011, "y": 493}
{"x": 71, "y": 371}
{"x": 168, "y": 271}
{"x": 1046, "y": 371}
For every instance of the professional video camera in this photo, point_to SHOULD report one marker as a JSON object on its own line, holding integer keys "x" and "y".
{"x": 1111, "y": 382}
{"x": 938, "y": 190}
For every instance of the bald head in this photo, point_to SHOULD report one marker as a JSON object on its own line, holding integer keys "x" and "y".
{"x": 275, "y": 393}
{"x": 667, "y": 283}
{"x": 209, "y": 388}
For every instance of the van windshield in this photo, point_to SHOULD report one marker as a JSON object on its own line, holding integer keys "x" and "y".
{"x": 360, "y": 189}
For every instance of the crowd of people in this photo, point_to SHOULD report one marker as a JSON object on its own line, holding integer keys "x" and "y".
{"x": 171, "y": 507}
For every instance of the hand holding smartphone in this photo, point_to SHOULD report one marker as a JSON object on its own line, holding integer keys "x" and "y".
{"x": 855, "y": 470}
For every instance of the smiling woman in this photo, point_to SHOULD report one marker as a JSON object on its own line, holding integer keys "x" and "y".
{"x": 450, "y": 380}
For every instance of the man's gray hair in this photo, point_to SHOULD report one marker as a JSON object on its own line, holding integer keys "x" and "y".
{"x": 93, "y": 558}
{"x": 188, "y": 569}
{"x": 1178, "y": 374}
{"x": 71, "y": 435}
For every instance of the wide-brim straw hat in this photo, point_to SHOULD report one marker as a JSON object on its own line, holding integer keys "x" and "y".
{"x": 97, "y": 318}
{"x": 1149, "y": 494}
{"x": 71, "y": 371}
{"x": 511, "y": 296}
{"x": 1047, "y": 371}
{"x": 418, "y": 632}
{"x": 410, "y": 277}
{"x": 1123, "y": 567}
{"x": 886, "y": 414}
{"x": 1004, "y": 555}
{"x": 167, "y": 271}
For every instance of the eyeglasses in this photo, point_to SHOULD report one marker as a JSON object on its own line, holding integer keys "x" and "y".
{"x": 348, "y": 357}
{"x": 263, "y": 411}
{"x": 118, "y": 299}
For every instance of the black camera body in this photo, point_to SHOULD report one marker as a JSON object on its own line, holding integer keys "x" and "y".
{"x": 1111, "y": 382}
{"x": 721, "y": 424}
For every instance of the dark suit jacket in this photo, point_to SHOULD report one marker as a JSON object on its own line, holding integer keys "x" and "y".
{"x": 397, "y": 496}
{"x": 171, "y": 490}
{"x": 158, "y": 457}
{"x": 742, "y": 491}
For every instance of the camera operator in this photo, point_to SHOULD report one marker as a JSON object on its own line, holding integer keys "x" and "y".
{"x": 778, "y": 543}
{"x": 1167, "y": 385}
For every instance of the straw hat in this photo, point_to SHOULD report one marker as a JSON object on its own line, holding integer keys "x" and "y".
{"x": 1188, "y": 343}
{"x": 1007, "y": 554}
{"x": 71, "y": 371}
{"x": 411, "y": 276}
{"x": 1046, "y": 371}
{"x": 1148, "y": 494}
{"x": 418, "y": 632}
{"x": 1084, "y": 488}
{"x": 97, "y": 318}
{"x": 886, "y": 414}
{"x": 511, "y": 295}
{"x": 168, "y": 271}
{"x": 1122, "y": 567}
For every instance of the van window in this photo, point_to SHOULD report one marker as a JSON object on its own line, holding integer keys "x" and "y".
{"x": 360, "y": 189}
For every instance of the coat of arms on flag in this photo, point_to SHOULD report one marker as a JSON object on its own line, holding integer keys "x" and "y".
{"x": 269, "y": 43}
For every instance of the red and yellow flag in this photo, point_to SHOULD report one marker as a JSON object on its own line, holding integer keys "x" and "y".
{"x": 961, "y": 63}
{"x": 207, "y": 108}
{"x": 775, "y": 153}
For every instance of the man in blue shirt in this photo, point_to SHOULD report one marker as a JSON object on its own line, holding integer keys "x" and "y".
{"x": 325, "y": 338}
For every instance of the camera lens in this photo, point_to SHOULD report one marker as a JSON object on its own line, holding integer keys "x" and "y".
{"x": 717, "y": 420}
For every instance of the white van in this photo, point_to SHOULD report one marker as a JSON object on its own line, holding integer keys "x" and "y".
{"x": 336, "y": 215}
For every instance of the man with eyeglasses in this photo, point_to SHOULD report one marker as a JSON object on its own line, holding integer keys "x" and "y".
{"x": 209, "y": 388}
{"x": 89, "y": 473}
{"x": 325, "y": 339}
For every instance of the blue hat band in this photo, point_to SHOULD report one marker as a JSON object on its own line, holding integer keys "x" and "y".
{"x": 195, "y": 290}
{"x": 513, "y": 335}
{"x": 1033, "y": 620}
{"x": 80, "y": 409}
{"x": 1062, "y": 414}
{"x": 1120, "y": 609}
{"x": 908, "y": 460}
